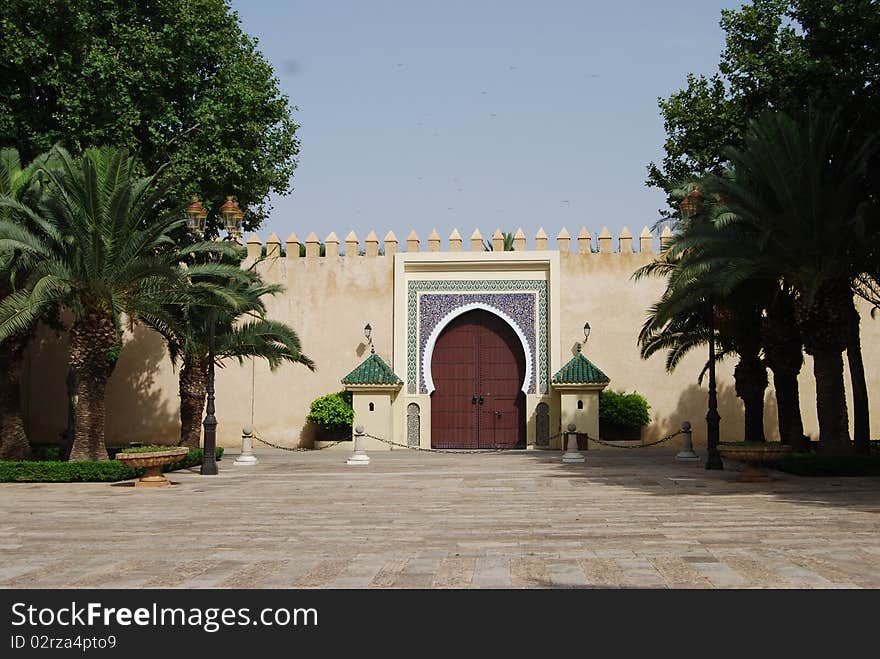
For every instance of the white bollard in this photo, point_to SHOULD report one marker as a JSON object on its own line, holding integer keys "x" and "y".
{"x": 359, "y": 457}
{"x": 247, "y": 456}
{"x": 686, "y": 454}
{"x": 572, "y": 454}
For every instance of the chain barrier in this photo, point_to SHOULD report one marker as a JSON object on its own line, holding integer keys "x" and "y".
{"x": 466, "y": 451}
{"x": 293, "y": 448}
{"x": 445, "y": 450}
{"x": 654, "y": 443}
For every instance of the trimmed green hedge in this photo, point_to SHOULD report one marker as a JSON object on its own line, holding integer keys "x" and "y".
{"x": 106, "y": 471}
{"x": 333, "y": 412}
{"x": 620, "y": 409}
{"x": 50, "y": 471}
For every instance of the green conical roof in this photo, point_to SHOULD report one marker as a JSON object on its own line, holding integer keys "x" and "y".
{"x": 373, "y": 370}
{"x": 580, "y": 370}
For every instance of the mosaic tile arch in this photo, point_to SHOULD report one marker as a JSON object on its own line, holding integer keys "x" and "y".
{"x": 457, "y": 304}
{"x": 523, "y": 301}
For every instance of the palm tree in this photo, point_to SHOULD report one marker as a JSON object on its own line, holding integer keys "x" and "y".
{"x": 96, "y": 248}
{"x": 16, "y": 184}
{"x": 725, "y": 256}
{"x": 488, "y": 245}
{"x": 679, "y": 322}
{"x": 799, "y": 187}
{"x": 241, "y": 330}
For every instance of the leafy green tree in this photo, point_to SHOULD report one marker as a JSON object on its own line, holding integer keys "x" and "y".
{"x": 95, "y": 246}
{"x": 177, "y": 83}
{"x": 779, "y": 54}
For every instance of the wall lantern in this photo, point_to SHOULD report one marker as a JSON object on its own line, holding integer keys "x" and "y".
{"x": 368, "y": 333}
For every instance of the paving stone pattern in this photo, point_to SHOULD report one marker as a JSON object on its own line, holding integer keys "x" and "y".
{"x": 423, "y": 520}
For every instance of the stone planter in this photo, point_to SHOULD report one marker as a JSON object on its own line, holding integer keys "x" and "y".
{"x": 153, "y": 462}
{"x": 754, "y": 457}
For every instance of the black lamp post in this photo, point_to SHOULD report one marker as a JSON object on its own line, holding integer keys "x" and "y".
{"x": 713, "y": 419}
{"x": 689, "y": 207}
{"x": 196, "y": 217}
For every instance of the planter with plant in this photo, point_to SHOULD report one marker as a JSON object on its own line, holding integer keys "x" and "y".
{"x": 151, "y": 459}
{"x": 622, "y": 416}
{"x": 333, "y": 416}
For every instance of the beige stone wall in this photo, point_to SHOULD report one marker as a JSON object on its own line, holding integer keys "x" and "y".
{"x": 330, "y": 299}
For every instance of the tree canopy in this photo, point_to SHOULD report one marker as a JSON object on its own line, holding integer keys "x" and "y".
{"x": 173, "y": 81}
{"x": 780, "y": 55}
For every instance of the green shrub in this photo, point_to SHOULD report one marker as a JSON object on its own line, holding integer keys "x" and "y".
{"x": 194, "y": 458}
{"x": 620, "y": 409}
{"x": 332, "y": 412}
{"x": 106, "y": 471}
{"x": 47, "y": 451}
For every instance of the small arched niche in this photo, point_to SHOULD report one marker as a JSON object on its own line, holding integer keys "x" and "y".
{"x": 413, "y": 425}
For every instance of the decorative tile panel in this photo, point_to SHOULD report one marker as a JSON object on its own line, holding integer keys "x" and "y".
{"x": 524, "y": 301}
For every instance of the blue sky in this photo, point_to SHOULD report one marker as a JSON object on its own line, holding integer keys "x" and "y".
{"x": 477, "y": 114}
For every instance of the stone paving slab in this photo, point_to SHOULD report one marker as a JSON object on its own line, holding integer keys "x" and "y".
{"x": 422, "y": 520}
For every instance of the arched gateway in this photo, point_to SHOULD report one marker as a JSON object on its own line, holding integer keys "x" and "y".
{"x": 478, "y": 367}
{"x": 478, "y": 358}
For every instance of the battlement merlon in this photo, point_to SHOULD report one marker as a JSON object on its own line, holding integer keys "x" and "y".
{"x": 585, "y": 247}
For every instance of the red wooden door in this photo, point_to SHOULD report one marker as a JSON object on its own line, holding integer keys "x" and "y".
{"x": 478, "y": 368}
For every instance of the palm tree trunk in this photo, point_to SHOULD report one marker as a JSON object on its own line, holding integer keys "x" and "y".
{"x": 750, "y": 376}
{"x": 788, "y": 407}
{"x": 861, "y": 409}
{"x": 824, "y": 323}
{"x": 92, "y": 340}
{"x": 193, "y": 384}
{"x": 784, "y": 352}
{"x": 13, "y": 438}
{"x": 831, "y": 401}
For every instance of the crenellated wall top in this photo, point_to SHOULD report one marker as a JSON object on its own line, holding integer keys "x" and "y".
{"x": 584, "y": 243}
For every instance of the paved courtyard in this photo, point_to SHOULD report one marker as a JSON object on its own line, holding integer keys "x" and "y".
{"x": 424, "y": 520}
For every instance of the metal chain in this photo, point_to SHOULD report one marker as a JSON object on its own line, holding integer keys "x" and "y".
{"x": 659, "y": 441}
{"x": 465, "y": 451}
{"x": 292, "y": 448}
{"x": 444, "y": 450}
{"x": 561, "y": 434}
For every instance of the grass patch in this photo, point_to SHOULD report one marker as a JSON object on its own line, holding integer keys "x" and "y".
{"x": 105, "y": 471}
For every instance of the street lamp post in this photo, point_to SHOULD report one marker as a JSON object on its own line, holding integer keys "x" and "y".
{"x": 690, "y": 206}
{"x": 713, "y": 419}
{"x": 196, "y": 216}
